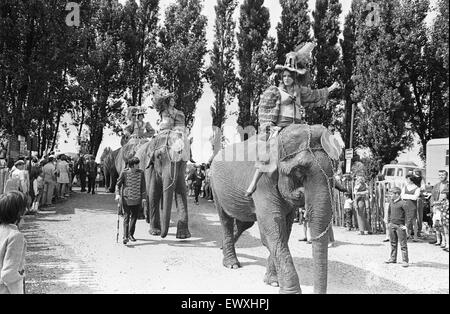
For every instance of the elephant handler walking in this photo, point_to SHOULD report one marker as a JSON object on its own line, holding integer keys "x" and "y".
{"x": 134, "y": 197}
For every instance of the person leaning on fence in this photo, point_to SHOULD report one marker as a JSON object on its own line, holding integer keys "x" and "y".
{"x": 397, "y": 226}
{"x": 12, "y": 243}
{"x": 132, "y": 185}
{"x": 361, "y": 195}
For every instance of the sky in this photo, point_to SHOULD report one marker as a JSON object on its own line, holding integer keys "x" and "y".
{"x": 202, "y": 131}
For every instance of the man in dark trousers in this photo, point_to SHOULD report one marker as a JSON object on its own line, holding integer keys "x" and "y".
{"x": 131, "y": 185}
{"x": 80, "y": 170}
{"x": 91, "y": 173}
{"x": 197, "y": 179}
{"x": 397, "y": 222}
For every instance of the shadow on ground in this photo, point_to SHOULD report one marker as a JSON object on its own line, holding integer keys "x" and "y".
{"x": 342, "y": 278}
{"x": 47, "y": 272}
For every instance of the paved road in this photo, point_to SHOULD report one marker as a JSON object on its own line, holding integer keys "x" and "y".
{"x": 72, "y": 249}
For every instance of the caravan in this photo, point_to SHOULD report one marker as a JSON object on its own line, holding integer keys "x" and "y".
{"x": 437, "y": 159}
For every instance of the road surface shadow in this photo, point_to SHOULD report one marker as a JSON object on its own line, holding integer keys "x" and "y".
{"x": 342, "y": 278}
{"x": 50, "y": 268}
{"x": 343, "y": 243}
{"x": 424, "y": 264}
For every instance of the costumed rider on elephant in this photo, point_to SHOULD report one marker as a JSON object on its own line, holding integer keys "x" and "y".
{"x": 172, "y": 119}
{"x": 138, "y": 132}
{"x": 285, "y": 105}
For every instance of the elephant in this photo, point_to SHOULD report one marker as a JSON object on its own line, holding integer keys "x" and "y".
{"x": 109, "y": 168}
{"x": 164, "y": 159}
{"x": 301, "y": 162}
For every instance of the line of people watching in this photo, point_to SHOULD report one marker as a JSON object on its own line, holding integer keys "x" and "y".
{"x": 198, "y": 181}
{"x": 48, "y": 180}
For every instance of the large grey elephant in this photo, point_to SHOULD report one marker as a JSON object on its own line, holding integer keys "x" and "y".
{"x": 300, "y": 161}
{"x": 164, "y": 159}
{"x": 109, "y": 168}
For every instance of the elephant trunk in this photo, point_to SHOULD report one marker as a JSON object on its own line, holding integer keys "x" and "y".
{"x": 321, "y": 214}
{"x": 320, "y": 257}
{"x": 169, "y": 188}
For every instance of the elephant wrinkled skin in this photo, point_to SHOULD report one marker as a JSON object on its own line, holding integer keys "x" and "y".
{"x": 109, "y": 168}
{"x": 273, "y": 203}
{"x": 164, "y": 161}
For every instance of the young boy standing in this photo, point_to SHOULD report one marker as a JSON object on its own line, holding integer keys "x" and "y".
{"x": 397, "y": 225}
{"x": 348, "y": 209}
{"x": 134, "y": 197}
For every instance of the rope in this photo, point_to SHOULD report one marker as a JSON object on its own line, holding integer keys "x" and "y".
{"x": 330, "y": 187}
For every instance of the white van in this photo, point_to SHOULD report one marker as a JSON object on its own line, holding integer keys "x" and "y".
{"x": 395, "y": 174}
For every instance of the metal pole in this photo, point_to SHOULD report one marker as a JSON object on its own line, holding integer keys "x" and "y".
{"x": 29, "y": 165}
{"x": 352, "y": 125}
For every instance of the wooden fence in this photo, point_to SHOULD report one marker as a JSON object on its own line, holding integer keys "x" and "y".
{"x": 375, "y": 205}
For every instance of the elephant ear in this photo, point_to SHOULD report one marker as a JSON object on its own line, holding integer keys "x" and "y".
{"x": 331, "y": 145}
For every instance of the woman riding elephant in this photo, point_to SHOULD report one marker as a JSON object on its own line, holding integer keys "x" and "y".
{"x": 300, "y": 156}
{"x": 136, "y": 133}
{"x": 165, "y": 158}
{"x": 285, "y": 105}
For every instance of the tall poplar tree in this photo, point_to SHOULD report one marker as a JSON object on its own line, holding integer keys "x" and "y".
{"x": 254, "y": 25}
{"x": 347, "y": 68}
{"x": 294, "y": 27}
{"x": 424, "y": 67}
{"x": 379, "y": 85}
{"x": 139, "y": 34}
{"x": 326, "y": 56}
{"x": 181, "y": 57}
{"x": 221, "y": 74}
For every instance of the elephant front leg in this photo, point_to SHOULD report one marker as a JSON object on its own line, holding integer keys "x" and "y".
{"x": 229, "y": 252}
{"x": 183, "y": 222}
{"x": 273, "y": 228}
{"x": 182, "y": 207}
{"x": 155, "y": 200}
{"x": 271, "y": 277}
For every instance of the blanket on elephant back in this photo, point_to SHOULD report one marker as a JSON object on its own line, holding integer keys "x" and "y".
{"x": 176, "y": 143}
{"x": 252, "y": 150}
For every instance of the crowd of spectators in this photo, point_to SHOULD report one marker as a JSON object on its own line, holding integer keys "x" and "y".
{"x": 49, "y": 179}
{"x": 198, "y": 183}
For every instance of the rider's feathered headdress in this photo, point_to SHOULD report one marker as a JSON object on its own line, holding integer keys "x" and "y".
{"x": 298, "y": 60}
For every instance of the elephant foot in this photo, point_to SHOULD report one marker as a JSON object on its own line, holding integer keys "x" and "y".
{"x": 232, "y": 263}
{"x": 297, "y": 290}
{"x": 271, "y": 280}
{"x": 183, "y": 231}
{"x": 155, "y": 232}
{"x": 183, "y": 234}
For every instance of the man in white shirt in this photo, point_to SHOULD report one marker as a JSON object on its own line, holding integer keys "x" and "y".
{"x": 411, "y": 194}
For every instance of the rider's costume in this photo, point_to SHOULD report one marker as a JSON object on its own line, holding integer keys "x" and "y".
{"x": 279, "y": 109}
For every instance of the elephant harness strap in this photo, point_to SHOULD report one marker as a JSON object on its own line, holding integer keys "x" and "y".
{"x": 330, "y": 180}
{"x": 166, "y": 147}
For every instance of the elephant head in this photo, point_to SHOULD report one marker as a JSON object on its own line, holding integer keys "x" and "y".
{"x": 169, "y": 154}
{"x": 307, "y": 158}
